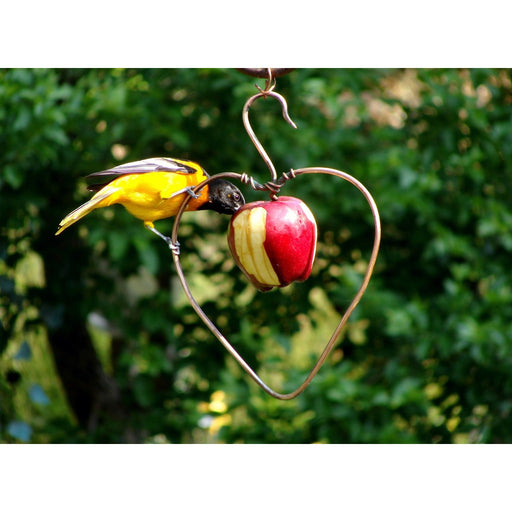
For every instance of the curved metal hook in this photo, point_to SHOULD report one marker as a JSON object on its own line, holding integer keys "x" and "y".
{"x": 250, "y": 131}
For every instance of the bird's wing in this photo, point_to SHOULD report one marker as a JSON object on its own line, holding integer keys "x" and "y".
{"x": 149, "y": 165}
{"x": 144, "y": 166}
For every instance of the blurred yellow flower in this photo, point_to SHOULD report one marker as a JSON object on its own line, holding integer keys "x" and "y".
{"x": 217, "y": 403}
{"x": 218, "y": 422}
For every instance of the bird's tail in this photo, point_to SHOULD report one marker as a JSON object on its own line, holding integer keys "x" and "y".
{"x": 97, "y": 201}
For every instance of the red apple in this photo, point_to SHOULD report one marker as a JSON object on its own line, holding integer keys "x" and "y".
{"x": 273, "y": 242}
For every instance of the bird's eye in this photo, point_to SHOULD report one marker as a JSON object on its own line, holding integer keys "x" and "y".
{"x": 236, "y": 196}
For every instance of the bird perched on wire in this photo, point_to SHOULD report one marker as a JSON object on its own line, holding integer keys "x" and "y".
{"x": 154, "y": 189}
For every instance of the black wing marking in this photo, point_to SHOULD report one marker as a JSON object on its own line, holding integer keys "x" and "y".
{"x": 149, "y": 165}
{"x": 141, "y": 167}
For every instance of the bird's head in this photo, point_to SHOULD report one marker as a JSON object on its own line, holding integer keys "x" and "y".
{"x": 223, "y": 197}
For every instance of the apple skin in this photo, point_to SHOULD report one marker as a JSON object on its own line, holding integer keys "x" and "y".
{"x": 273, "y": 242}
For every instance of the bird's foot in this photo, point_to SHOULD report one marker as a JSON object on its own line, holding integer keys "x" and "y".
{"x": 173, "y": 246}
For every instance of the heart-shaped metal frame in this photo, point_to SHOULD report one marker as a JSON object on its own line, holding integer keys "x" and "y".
{"x": 213, "y": 328}
{"x": 273, "y": 187}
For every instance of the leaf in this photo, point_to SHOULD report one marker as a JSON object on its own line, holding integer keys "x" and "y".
{"x": 118, "y": 244}
{"x": 148, "y": 255}
{"x": 58, "y": 136}
{"x": 13, "y": 176}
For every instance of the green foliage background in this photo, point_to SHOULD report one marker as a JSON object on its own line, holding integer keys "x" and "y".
{"x": 427, "y": 355}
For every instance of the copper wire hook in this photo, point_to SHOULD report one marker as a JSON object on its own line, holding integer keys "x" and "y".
{"x": 268, "y": 91}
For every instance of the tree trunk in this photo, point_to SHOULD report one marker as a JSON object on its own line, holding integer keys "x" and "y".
{"x": 93, "y": 396}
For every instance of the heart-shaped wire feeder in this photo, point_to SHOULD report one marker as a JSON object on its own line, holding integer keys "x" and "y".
{"x": 330, "y": 344}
